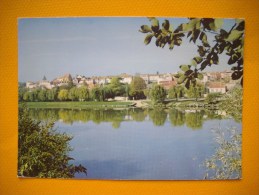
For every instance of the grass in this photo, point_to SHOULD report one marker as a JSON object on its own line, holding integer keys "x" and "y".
{"x": 79, "y": 105}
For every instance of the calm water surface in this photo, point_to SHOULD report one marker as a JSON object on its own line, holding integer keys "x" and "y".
{"x": 138, "y": 143}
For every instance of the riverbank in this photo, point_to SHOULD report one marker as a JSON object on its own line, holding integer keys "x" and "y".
{"x": 78, "y": 105}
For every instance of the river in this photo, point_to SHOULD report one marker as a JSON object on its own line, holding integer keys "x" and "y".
{"x": 139, "y": 144}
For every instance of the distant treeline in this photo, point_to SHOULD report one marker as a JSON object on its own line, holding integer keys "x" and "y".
{"x": 137, "y": 89}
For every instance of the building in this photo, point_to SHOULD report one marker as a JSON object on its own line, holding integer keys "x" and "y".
{"x": 63, "y": 80}
{"x": 216, "y": 87}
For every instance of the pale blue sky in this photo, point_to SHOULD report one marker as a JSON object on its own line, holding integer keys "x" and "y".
{"x": 96, "y": 46}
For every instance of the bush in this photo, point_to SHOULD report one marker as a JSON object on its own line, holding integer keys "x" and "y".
{"x": 43, "y": 152}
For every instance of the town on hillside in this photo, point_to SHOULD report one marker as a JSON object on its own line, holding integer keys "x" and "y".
{"x": 214, "y": 82}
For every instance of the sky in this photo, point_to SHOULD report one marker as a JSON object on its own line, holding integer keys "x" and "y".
{"x": 98, "y": 46}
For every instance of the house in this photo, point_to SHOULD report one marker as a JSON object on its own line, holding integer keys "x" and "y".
{"x": 167, "y": 84}
{"x": 63, "y": 80}
{"x": 31, "y": 85}
{"x": 125, "y": 78}
{"x": 216, "y": 87}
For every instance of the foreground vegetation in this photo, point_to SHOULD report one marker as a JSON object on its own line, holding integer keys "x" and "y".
{"x": 42, "y": 151}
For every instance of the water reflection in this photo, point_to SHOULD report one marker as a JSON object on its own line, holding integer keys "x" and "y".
{"x": 193, "y": 119}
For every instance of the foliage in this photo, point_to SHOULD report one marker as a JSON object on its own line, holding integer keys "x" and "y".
{"x": 82, "y": 93}
{"x": 196, "y": 29}
{"x": 212, "y": 98}
{"x": 116, "y": 86}
{"x": 72, "y": 94}
{"x": 232, "y": 103}
{"x": 157, "y": 94}
{"x": 194, "y": 120}
{"x": 158, "y": 116}
{"x": 176, "y": 92}
{"x": 137, "y": 87}
{"x": 195, "y": 91}
{"x": 42, "y": 152}
{"x": 63, "y": 95}
{"x": 226, "y": 163}
{"x": 97, "y": 94}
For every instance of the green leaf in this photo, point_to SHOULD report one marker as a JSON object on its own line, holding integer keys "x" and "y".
{"x": 155, "y": 25}
{"x": 166, "y": 25}
{"x": 218, "y": 23}
{"x": 171, "y": 46}
{"x": 185, "y": 27}
{"x": 148, "y": 39}
{"x": 192, "y": 24}
{"x": 145, "y": 29}
{"x": 200, "y": 76}
{"x": 193, "y": 63}
{"x": 181, "y": 79}
{"x": 204, "y": 64}
{"x": 201, "y": 50}
{"x": 234, "y": 35}
{"x": 184, "y": 68}
{"x": 198, "y": 59}
{"x": 188, "y": 72}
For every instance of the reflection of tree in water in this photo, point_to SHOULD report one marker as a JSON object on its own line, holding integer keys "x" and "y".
{"x": 158, "y": 116}
{"x": 176, "y": 117}
{"x": 138, "y": 114}
{"x": 194, "y": 119}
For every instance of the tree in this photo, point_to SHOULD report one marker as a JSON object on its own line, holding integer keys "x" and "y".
{"x": 195, "y": 91}
{"x": 176, "y": 92}
{"x": 42, "y": 152}
{"x": 232, "y": 103}
{"x": 63, "y": 95}
{"x": 229, "y": 42}
{"x": 97, "y": 94}
{"x": 52, "y": 94}
{"x": 82, "y": 93}
{"x": 108, "y": 92}
{"x": 116, "y": 86}
{"x": 157, "y": 94}
{"x": 73, "y": 94}
{"x": 42, "y": 95}
{"x": 137, "y": 87}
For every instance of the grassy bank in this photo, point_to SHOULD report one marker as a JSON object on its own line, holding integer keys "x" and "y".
{"x": 78, "y": 105}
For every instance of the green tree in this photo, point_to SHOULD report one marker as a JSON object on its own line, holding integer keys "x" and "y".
{"x": 196, "y": 30}
{"x": 73, "y": 94}
{"x": 195, "y": 91}
{"x": 42, "y": 152}
{"x": 97, "y": 94}
{"x": 42, "y": 95}
{"x": 83, "y": 93}
{"x": 117, "y": 86}
{"x": 108, "y": 92}
{"x": 157, "y": 94}
{"x": 176, "y": 92}
{"x": 63, "y": 95}
{"x": 52, "y": 94}
{"x": 21, "y": 91}
{"x": 137, "y": 87}
{"x": 232, "y": 103}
